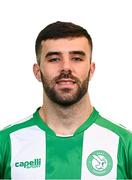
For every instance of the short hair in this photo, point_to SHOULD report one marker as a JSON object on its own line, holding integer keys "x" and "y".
{"x": 59, "y": 30}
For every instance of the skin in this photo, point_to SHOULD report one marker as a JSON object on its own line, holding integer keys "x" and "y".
{"x": 65, "y": 55}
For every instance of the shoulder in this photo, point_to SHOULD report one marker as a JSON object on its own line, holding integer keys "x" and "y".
{"x": 124, "y": 134}
{"x": 5, "y": 133}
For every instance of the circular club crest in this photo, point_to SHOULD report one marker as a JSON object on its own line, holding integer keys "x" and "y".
{"x": 99, "y": 163}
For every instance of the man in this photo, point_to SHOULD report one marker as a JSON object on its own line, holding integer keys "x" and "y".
{"x": 66, "y": 138}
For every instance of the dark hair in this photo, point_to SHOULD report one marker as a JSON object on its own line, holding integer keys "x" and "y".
{"x": 58, "y": 30}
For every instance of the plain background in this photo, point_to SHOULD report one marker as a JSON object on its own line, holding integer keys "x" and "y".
{"x": 110, "y": 24}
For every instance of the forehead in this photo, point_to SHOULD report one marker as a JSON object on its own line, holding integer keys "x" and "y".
{"x": 66, "y": 45}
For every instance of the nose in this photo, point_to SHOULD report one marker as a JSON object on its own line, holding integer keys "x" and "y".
{"x": 66, "y": 65}
{"x": 66, "y": 74}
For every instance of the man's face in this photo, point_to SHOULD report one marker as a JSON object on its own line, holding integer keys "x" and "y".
{"x": 65, "y": 69}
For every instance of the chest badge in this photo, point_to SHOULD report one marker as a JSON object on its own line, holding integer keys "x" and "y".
{"x": 99, "y": 163}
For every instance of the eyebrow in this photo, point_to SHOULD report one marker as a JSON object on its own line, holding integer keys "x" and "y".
{"x": 82, "y": 53}
{"x": 53, "y": 53}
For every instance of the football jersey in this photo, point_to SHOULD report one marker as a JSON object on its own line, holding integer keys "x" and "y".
{"x": 98, "y": 150}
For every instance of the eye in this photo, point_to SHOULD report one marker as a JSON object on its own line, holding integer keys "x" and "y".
{"x": 54, "y": 60}
{"x": 77, "y": 59}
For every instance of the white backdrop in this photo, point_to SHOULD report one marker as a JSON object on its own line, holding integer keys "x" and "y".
{"x": 110, "y": 24}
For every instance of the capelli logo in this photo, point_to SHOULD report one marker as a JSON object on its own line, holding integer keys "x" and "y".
{"x": 36, "y": 163}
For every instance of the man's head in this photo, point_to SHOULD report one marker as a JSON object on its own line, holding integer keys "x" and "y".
{"x": 59, "y": 30}
{"x": 64, "y": 65}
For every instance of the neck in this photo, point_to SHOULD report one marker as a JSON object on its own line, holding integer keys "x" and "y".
{"x": 65, "y": 120}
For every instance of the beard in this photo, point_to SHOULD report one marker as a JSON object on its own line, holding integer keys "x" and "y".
{"x": 66, "y": 96}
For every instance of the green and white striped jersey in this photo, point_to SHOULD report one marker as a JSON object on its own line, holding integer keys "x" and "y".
{"x": 98, "y": 150}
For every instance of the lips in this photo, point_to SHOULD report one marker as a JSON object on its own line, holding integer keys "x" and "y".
{"x": 65, "y": 81}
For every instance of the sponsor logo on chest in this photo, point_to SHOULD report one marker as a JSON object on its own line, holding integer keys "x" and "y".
{"x": 36, "y": 163}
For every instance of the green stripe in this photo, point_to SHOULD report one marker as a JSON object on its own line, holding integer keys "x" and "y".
{"x": 64, "y": 157}
{"x": 6, "y": 159}
{"x": 121, "y": 165}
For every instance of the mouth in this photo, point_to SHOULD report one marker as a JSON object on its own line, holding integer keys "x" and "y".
{"x": 65, "y": 81}
{"x": 66, "y": 84}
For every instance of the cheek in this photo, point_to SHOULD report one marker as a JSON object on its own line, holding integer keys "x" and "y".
{"x": 46, "y": 71}
{"x": 50, "y": 70}
{"x": 49, "y": 74}
{"x": 83, "y": 73}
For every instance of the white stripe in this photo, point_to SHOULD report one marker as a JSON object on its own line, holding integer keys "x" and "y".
{"x": 99, "y": 138}
{"x": 28, "y": 144}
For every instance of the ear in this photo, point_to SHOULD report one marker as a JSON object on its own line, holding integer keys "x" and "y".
{"x": 92, "y": 69}
{"x": 36, "y": 70}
